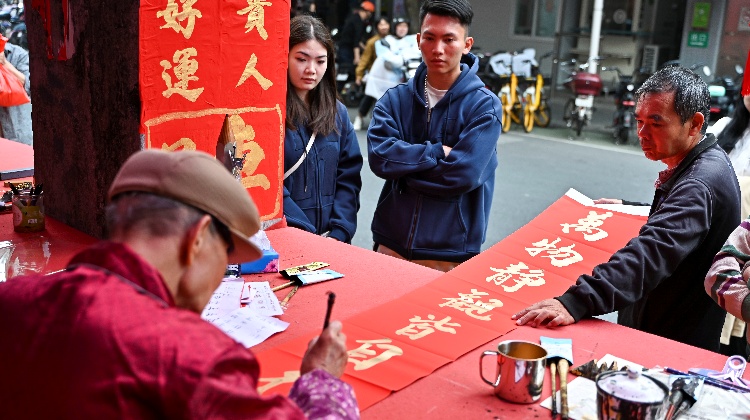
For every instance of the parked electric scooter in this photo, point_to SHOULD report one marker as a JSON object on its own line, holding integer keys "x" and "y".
{"x": 724, "y": 94}
{"x": 623, "y": 121}
{"x": 585, "y": 86}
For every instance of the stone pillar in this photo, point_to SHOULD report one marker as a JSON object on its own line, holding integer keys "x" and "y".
{"x": 86, "y": 103}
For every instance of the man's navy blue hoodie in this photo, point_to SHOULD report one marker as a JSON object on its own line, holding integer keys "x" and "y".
{"x": 434, "y": 207}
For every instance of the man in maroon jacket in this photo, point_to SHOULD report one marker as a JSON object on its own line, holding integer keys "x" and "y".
{"x": 118, "y": 334}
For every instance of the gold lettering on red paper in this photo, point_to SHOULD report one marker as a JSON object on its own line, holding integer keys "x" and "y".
{"x": 250, "y": 70}
{"x": 184, "y": 71}
{"x": 520, "y": 274}
{"x": 559, "y": 257}
{"x": 365, "y": 352}
{"x": 289, "y": 377}
{"x": 256, "y": 16}
{"x": 173, "y": 18}
{"x": 590, "y": 226}
{"x": 472, "y": 305}
{"x": 181, "y": 144}
{"x": 244, "y": 135}
{"x": 422, "y": 327}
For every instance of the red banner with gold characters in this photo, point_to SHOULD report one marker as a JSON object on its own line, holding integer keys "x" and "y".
{"x": 204, "y": 60}
{"x": 394, "y": 344}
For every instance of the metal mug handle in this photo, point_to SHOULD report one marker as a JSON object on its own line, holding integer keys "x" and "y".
{"x": 481, "y": 373}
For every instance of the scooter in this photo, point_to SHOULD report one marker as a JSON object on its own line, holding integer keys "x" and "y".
{"x": 623, "y": 120}
{"x": 724, "y": 93}
{"x": 585, "y": 86}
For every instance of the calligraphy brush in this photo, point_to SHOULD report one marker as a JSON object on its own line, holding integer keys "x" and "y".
{"x": 553, "y": 375}
{"x": 331, "y": 299}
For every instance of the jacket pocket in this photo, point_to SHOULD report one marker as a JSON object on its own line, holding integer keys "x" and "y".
{"x": 328, "y": 159}
{"x": 440, "y": 226}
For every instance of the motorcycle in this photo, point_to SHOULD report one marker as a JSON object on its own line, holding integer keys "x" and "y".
{"x": 584, "y": 86}
{"x": 623, "y": 120}
{"x": 725, "y": 92}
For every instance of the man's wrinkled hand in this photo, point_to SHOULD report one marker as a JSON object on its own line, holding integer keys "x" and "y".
{"x": 549, "y": 312}
{"x": 327, "y": 352}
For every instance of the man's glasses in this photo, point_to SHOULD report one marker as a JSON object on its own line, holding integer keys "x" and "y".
{"x": 225, "y": 234}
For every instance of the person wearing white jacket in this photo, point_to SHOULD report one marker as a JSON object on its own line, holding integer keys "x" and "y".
{"x": 393, "y": 53}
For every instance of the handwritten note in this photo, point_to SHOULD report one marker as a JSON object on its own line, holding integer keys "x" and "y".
{"x": 260, "y": 299}
{"x": 248, "y": 328}
{"x": 226, "y": 298}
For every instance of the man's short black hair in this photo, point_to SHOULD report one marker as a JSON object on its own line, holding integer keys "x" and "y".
{"x": 459, "y": 9}
{"x": 690, "y": 92}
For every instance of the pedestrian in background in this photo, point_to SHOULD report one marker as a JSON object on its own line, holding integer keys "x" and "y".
{"x": 351, "y": 43}
{"x": 15, "y": 121}
{"x": 434, "y": 140}
{"x": 382, "y": 28}
{"x": 322, "y": 161}
{"x": 389, "y": 68}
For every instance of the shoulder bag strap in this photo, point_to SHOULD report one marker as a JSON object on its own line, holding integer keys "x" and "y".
{"x": 301, "y": 158}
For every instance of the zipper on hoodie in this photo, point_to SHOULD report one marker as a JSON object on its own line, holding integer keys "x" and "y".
{"x": 413, "y": 228}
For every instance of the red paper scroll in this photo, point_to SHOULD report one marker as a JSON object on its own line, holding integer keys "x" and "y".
{"x": 395, "y": 344}
{"x": 203, "y": 59}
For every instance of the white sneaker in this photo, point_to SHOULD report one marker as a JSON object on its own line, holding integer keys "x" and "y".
{"x": 357, "y": 123}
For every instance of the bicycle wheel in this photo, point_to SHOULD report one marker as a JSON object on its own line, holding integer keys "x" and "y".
{"x": 517, "y": 113}
{"x": 528, "y": 118}
{"x": 506, "y": 114}
{"x": 569, "y": 112}
{"x": 542, "y": 114}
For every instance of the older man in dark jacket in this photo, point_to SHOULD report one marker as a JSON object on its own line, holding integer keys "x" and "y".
{"x": 656, "y": 280}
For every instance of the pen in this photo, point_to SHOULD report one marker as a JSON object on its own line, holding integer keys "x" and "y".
{"x": 331, "y": 299}
{"x": 707, "y": 379}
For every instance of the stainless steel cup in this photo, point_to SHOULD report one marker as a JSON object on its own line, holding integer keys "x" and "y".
{"x": 520, "y": 371}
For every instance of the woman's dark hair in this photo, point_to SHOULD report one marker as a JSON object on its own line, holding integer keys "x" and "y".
{"x": 320, "y": 111}
{"x": 733, "y": 131}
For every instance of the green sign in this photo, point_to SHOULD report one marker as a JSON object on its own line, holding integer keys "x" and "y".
{"x": 698, "y": 39}
{"x": 701, "y": 14}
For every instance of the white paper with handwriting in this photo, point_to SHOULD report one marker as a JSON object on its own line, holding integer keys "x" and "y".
{"x": 260, "y": 299}
{"x": 248, "y": 328}
{"x": 226, "y": 298}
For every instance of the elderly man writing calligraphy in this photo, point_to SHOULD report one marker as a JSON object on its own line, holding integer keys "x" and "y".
{"x": 656, "y": 280}
{"x": 118, "y": 334}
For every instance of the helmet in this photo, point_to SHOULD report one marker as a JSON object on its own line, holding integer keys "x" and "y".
{"x": 400, "y": 19}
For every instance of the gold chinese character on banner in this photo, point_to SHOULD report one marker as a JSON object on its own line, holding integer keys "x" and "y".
{"x": 250, "y": 70}
{"x": 590, "y": 226}
{"x": 520, "y": 274}
{"x": 471, "y": 304}
{"x": 289, "y": 377}
{"x": 421, "y": 327}
{"x": 559, "y": 257}
{"x": 181, "y": 144}
{"x": 255, "y": 16}
{"x": 173, "y": 18}
{"x": 247, "y": 146}
{"x": 364, "y": 351}
{"x": 184, "y": 71}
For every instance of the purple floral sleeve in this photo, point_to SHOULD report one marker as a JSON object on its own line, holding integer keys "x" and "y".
{"x": 320, "y": 395}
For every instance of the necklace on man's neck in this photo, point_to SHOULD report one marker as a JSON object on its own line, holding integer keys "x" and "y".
{"x": 427, "y": 100}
